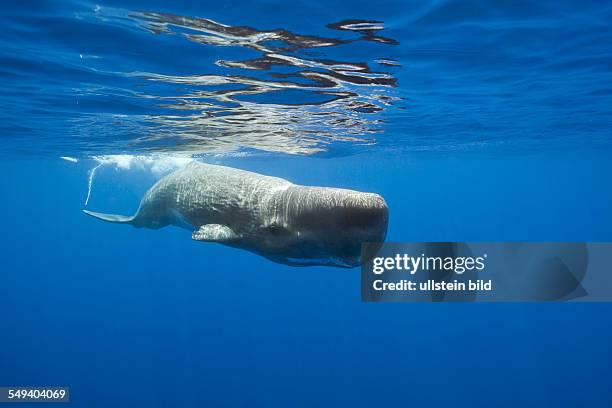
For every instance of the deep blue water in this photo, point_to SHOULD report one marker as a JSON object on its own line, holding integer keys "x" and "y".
{"x": 484, "y": 121}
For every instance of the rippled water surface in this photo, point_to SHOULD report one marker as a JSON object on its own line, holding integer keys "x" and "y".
{"x": 303, "y": 77}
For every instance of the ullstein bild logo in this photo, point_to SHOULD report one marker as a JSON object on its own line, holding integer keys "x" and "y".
{"x": 481, "y": 271}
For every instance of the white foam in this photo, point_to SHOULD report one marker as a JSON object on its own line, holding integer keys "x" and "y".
{"x": 157, "y": 164}
{"x": 90, "y": 182}
{"x": 70, "y": 159}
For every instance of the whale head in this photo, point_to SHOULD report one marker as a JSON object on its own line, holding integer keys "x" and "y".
{"x": 324, "y": 226}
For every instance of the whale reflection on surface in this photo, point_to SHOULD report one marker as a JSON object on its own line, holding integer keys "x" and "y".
{"x": 283, "y": 100}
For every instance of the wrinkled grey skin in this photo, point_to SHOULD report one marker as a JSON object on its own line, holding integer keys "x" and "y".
{"x": 286, "y": 223}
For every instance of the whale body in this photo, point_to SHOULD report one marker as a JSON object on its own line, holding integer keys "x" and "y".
{"x": 284, "y": 222}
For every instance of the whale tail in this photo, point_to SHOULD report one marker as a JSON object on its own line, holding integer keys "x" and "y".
{"x": 121, "y": 219}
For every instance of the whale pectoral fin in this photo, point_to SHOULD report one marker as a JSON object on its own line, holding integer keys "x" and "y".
{"x": 214, "y": 233}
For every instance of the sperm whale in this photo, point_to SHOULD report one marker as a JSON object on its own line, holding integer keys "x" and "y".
{"x": 270, "y": 216}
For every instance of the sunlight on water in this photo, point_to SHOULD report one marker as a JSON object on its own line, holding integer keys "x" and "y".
{"x": 283, "y": 100}
{"x": 83, "y": 80}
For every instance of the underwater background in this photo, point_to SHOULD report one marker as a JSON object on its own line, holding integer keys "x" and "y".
{"x": 475, "y": 120}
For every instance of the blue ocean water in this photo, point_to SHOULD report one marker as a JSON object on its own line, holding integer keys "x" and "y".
{"x": 475, "y": 120}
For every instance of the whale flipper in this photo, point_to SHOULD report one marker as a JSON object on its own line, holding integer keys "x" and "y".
{"x": 121, "y": 219}
{"x": 214, "y": 233}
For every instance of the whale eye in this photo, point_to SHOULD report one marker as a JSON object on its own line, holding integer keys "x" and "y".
{"x": 275, "y": 229}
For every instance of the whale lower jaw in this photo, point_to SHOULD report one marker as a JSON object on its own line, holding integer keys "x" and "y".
{"x": 342, "y": 263}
